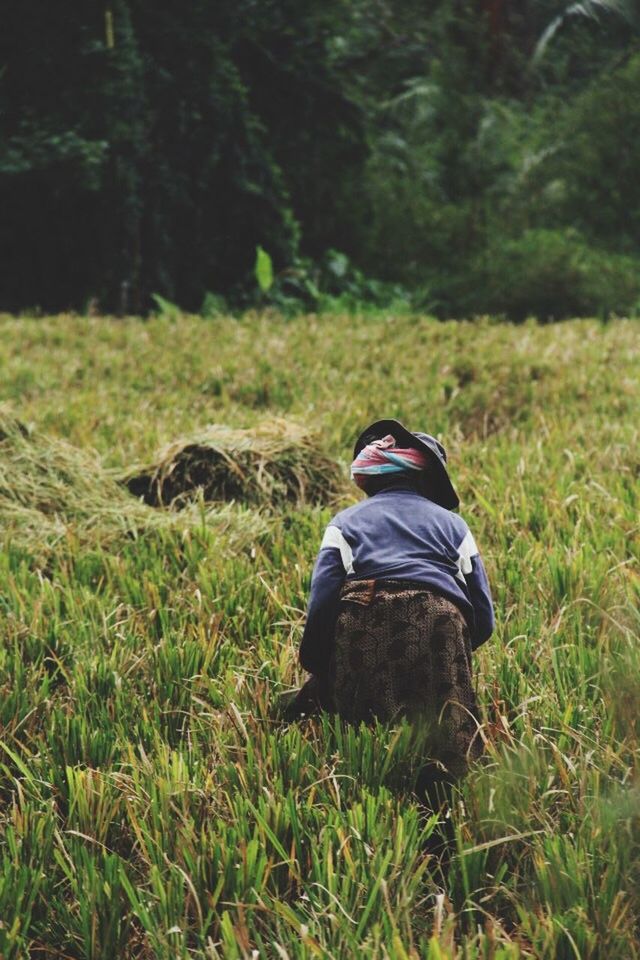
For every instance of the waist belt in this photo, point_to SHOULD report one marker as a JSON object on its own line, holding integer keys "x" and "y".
{"x": 364, "y": 591}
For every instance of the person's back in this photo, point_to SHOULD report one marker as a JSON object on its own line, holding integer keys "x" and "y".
{"x": 398, "y": 534}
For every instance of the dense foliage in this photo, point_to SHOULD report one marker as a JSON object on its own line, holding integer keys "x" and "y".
{"x": 149, "y": 148}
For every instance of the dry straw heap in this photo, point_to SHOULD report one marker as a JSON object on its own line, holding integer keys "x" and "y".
{"x": 275, "y": 464}
{"x": 51, "y": 490}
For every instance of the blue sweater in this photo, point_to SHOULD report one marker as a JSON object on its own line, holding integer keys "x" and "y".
{"x": 397, "y": 534}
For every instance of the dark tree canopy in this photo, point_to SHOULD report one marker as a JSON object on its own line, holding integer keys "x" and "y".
{"x": 149, "y": 148}
{"x": 153, "y": 145}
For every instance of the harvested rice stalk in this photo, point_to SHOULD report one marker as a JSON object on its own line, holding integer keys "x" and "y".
{"x": 277, "y": 463}
{"x": 51, "y": 490}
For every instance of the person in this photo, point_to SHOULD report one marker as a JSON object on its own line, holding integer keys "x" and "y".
{"x": 399, "y": 599}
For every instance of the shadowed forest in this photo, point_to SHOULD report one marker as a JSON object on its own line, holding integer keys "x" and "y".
{"x": 459, "y": 157}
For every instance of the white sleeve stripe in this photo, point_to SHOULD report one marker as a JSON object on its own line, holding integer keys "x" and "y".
{"x": 333, "y": 538}
{"x": 466, "y": 551}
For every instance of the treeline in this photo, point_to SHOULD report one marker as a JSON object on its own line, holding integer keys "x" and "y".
{"x": 448, "y": 156}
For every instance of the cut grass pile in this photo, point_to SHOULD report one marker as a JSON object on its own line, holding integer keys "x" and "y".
{"x": 273, "y": 464}
{"x": 51, "y": 490}
{"x": 151, "y": 803}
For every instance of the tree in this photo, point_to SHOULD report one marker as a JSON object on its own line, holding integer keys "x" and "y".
{"x": 148, "y": 147}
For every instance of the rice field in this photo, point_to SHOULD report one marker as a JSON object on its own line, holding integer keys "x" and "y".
{"x": 152, "y": 801}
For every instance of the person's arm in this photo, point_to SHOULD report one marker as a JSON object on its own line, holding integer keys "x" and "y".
{"x": 322, "y": 610}
{"x": 475, "y": 576}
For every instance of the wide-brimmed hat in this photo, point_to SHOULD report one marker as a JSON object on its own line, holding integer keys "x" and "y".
{"x": 443, "y": 492}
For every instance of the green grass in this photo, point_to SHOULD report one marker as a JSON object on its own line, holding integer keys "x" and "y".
{"x": 151, "y": 803}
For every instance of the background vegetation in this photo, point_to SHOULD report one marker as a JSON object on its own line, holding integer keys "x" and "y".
{"x": 151, "y": 803}
{"x": 385, "y": 151}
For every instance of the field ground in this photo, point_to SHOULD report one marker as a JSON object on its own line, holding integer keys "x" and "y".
{"x": 151, "y": 803}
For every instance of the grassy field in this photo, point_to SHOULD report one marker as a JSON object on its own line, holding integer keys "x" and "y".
{"x": 151, "y": 802}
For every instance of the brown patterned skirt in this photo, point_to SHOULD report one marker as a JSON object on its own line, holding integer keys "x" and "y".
{"x": 403, "y": 650}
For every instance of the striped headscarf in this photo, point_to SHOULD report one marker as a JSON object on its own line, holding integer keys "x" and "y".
{"x": 383, "y": 457}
